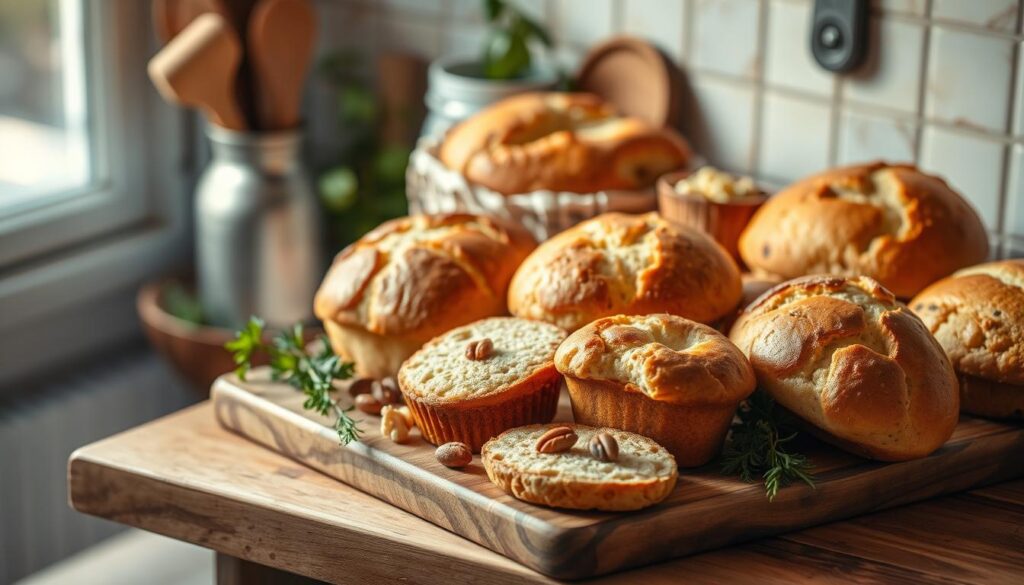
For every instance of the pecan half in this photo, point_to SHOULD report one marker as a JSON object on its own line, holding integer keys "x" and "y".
{"x": 479, "y": 349}
{"x": 556, "y": 440}
{"x": 604, "y": 447}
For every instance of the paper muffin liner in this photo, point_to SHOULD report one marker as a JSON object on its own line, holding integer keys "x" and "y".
{"x": 443, "y": 423}
{"x": 693, "y": 434}
{"x": 431, "y": 187}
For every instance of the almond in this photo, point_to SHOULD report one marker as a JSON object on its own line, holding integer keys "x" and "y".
{"x": 557, "y": 440}
{"x": 454, "y": 454}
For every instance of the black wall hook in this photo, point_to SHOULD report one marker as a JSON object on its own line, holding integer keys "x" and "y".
{"x": 839, "y": 33}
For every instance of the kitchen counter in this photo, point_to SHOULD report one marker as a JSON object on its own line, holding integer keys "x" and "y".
{"x": 185, "y": 477}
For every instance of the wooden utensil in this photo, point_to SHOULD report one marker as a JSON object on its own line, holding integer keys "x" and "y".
{"x": 281, "y": 38}
{"x": 170, "y": 17}
{"x": 198, "y": 68}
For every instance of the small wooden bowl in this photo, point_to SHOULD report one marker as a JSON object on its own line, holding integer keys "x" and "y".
{"x": 722, "y": 221}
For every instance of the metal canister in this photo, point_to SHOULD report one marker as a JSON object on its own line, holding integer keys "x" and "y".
{"x": 259, "y": 233}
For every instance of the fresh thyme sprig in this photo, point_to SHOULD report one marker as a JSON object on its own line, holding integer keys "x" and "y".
{"x": 291, "y": 362}
{"x": 756, "y": 447}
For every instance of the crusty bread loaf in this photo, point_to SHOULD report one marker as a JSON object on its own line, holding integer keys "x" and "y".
{"x": 643, "y": 475}
{"x": 893, "y": 223}
{"x": 977, "y": 315}
{"x": 413, "y": 278}
{"x": 457, "y": 398}
{"x": 665, "y": 377}
{"x": 625, "y": 264}
{"x": 859, "y": 367}
{"x": 561, "y": 142}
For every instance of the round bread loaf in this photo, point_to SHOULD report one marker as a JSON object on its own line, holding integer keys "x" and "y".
{"x": 460, "y": 391}
{"x": 625, "y": 264}
{"x": 893, "y": 223}
{"x": 413, "y": 278}
{"x": 643, "y": 474}
{"x": 665, "y": 377}
{"x": 977, "y": 315}
{"x": 859, "y": 367}
{"x": 561, "y": 142}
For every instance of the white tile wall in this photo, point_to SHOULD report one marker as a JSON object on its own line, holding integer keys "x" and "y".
{"x": 943, "y": 86}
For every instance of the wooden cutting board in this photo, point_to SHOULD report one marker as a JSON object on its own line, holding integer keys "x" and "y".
{"x": 705, "y": 511}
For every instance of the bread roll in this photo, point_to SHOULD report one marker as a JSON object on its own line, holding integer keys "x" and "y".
{"x": 977, "y": 315}
{"x": 413, "y": 278}
{"x": 625, "y": 264}
{"x": 893, "y": 223}
{"x": 562, "y": 142}
{"x": 859, "y": 367}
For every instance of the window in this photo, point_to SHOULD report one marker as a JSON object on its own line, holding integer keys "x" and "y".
{"x": 43, "y": 105}
{"x": 94, "y": 177}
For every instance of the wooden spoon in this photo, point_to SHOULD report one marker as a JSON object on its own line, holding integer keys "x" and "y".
{"x": 281, "y": 38}
{"x": 170, "y": 17}
{"x": 198, "y": 68}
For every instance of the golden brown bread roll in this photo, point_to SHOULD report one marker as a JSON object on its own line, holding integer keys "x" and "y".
{"x": 893, "y": 223}
{"x": 859, "y": 367}
{"x": 561, "y": 142}
{"x": 977, "y": 315}
{"x": 625, "y": 264}
{"x": 413, "y": 278}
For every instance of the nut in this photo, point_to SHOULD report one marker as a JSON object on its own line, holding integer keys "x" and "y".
{"x": 360, "y": 386}
{"x": 405, "y": 412}
{"x": 393, "y": 424}
{"x": 479, "y": 349}
{"x": 604, "y": 447}
{"x": 386, "y": 391}
{"x": 368, "y": 404}
{"x": 454, "y": 454}
{"x": 556, "y": 440}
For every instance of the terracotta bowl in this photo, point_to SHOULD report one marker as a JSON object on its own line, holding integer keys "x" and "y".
{"x": 722, "y": 221}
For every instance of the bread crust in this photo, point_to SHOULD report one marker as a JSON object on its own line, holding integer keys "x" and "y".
{"x": 560, "y": 485}
{"x": 625, "y": 264}
{"x": 561, "y": 142}
{"x": 847, "y": 358}
{"x": 977, "y": 315}
{"x": 415, "y": 277}
{"x": 893, "y": 223}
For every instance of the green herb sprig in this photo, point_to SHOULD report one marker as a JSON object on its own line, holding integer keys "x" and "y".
{"x": 291, "y": 362}
{"x": 757, "y": 447}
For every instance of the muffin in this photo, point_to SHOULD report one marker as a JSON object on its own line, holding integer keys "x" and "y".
{"x": 893, "y": 223}
{"x": 977, "y": 315}
{"x": 625, "y": 264}
{"x": 554, "y": 141}
{"x": 857, "y": 366}
{"x": 478, "y": 380}
{"x": 711, "y": 201}
{"x": 642, "y": 474}
{"x": 662, "y": 376}
{"x": 414, "y": 278}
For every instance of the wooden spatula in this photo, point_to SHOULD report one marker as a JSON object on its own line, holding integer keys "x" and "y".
{"x": 198, "y": 68}
{"x": 170, "y": 17}
{"x": 281, "y": 38}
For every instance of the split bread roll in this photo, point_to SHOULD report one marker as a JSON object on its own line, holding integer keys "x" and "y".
{"x": 893, "y": 223}
{"x": 625, "y": 264}
{"x": 643, "y": 474}
{"x": 571, "y": 142}
{"x": 413, "y": 278}
{"x": 859, "y": 367}
{"x": 977, "y": 315}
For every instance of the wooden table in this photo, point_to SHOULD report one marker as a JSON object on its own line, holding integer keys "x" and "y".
{"x": 185, "y": 477}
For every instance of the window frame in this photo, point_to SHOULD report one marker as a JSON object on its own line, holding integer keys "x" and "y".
{"x": 74, "y": 255}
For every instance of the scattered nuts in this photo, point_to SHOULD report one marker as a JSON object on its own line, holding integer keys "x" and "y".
{"x": 368, "y": 404}
{"x": 360, "y": 386}
{"x": 604, "y": 447}
{"x": 479, "y": 349}
{"x": 386, "y": 391}
{"x": 405, "y": 412}
{"x": 454, "y": 454}
{"x": 393, "y": 424}
{"x": 556, "y": 440}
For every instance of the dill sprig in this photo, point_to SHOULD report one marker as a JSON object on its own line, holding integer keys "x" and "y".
{"x": 757, "y": 447}
{"x": 291, "y": 362}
